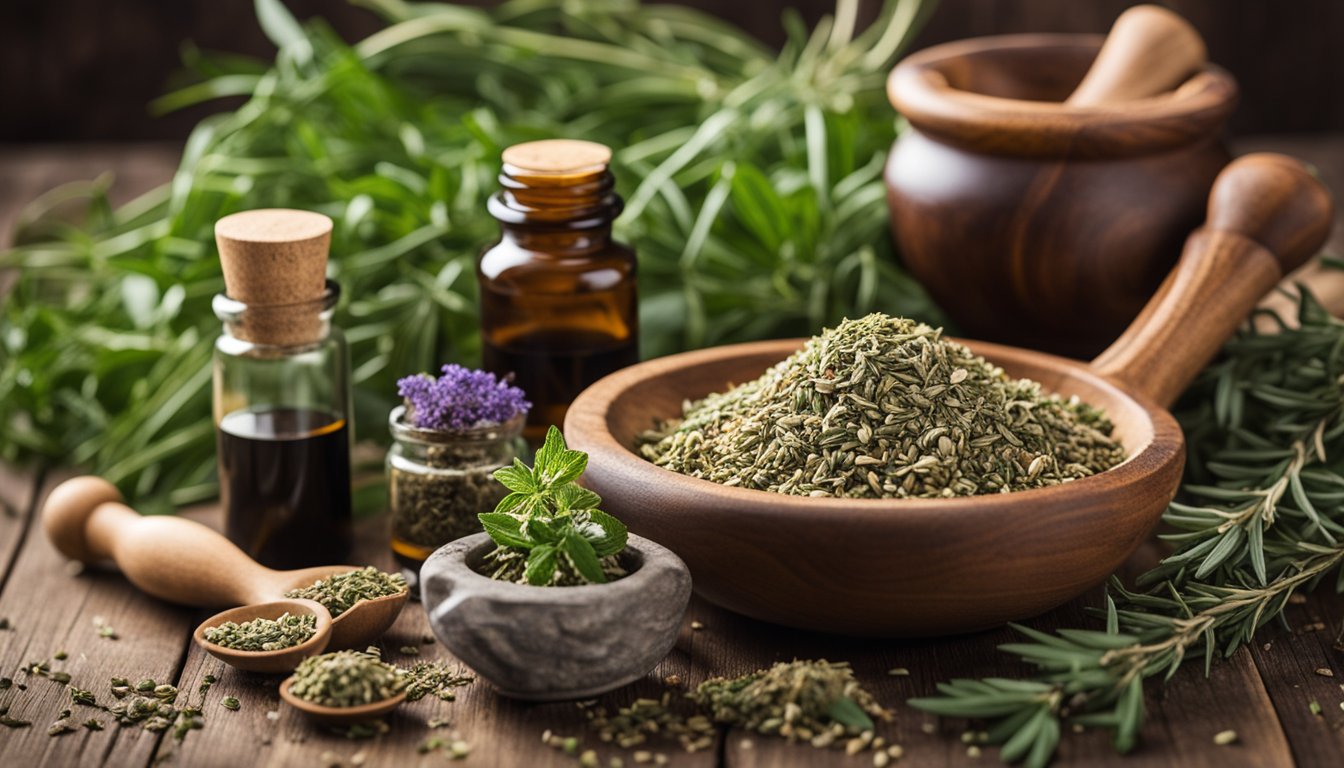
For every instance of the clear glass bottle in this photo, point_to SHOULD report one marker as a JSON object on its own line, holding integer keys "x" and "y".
{"x": 282, "y": 417}
{"x": 558, "y": 294}
{"x": 438, "y": 482}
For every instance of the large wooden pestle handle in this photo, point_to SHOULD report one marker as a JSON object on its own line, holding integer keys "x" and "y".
{"x": 168, "y": 557}
{"x": 1267, "y": 216}
{"x": 1150, "y": 50}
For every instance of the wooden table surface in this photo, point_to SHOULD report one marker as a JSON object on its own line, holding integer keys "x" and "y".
{"x": 1263, "y": 693}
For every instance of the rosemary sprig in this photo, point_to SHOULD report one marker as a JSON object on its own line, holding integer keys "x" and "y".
{"x": 1261, "y": 516}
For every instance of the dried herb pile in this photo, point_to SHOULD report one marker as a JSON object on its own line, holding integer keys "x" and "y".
{"x": 341, "y": 591}
{"x": 885, "y": 407}
{"x": 262, "y": 634}
{"x": 347, "y": 679}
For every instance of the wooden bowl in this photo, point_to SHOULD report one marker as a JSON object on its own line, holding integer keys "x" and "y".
{"x": 910, "y": 567}
{"x": 1038, "y": 223}
{"x": 900, "y": 567}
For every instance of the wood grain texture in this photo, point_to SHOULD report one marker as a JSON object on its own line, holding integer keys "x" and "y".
{"x": 1036, "y": 223}
{"x": 51, "y": 611}
{"x": 886, "y": 567}
{"x": 1302, "y": 664}
{"x": 1148, "y": 51}
{"x": 501, "y": 731}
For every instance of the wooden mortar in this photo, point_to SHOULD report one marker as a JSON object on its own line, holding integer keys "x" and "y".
{"x": 1035, "y": 222}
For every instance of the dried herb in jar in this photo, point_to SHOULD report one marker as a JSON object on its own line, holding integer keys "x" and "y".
{"x": 452, "y": 433}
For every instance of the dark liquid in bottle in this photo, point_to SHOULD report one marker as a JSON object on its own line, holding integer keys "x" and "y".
{"x": 284, "y": 475}
{"x": 553, "y": 367}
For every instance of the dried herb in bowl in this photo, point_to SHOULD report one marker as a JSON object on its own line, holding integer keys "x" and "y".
{"x": 262, "y": 634}
{"x": 341, "y": 591}
{"x": 346, "y": 679}
{"x": 884, "y": 407}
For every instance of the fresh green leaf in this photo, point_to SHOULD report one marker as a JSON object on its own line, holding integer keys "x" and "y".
{"x": 581, "y": 554}
{"x": 848, "y": 713}
{"x": 541, "y": 563}
{"x": 505, "y": 530}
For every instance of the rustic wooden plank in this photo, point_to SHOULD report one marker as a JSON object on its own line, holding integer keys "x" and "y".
{"x": 53, "y": 610}
{"x": 1289, "y": 660}
{"x": 17, "y": 488}
{"x": 500, "y": 731}
{"x": 1183, "y": 716}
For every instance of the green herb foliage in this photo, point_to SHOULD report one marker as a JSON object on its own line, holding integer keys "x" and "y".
{"x": 753, "y": 181}
{"x": 549, "y": 527}
{"x": 1260, "y": 517}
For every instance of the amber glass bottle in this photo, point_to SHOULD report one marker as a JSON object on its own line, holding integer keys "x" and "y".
{"x": 558, "y": 299}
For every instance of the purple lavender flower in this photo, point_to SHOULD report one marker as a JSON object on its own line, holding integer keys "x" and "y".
{"x": 460, "y": 399}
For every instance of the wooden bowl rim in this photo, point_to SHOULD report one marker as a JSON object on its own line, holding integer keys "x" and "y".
{"x": 232, "y": 656}
{"x": 586, "y": 427}
{"x": 361, "y": 712}
{"x": 918, "y": 88}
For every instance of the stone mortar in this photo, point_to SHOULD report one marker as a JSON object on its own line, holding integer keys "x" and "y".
{"x": 556, "y": 643}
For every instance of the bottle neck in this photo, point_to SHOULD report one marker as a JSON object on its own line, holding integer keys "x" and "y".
{"x": 278, "y": 329}
{"x": 581, "y": 202}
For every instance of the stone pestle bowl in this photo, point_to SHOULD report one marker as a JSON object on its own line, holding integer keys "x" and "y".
{"x": 556, "y": 643}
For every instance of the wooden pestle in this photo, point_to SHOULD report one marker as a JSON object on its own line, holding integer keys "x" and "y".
{"x": 1267, "y": 215}
{"x": 187, "y": 563}
{"x": 1149, "y": 50}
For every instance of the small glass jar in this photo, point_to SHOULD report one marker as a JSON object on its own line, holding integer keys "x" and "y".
{"x": 282, "y": 416}
{"x": 440, "y": 480}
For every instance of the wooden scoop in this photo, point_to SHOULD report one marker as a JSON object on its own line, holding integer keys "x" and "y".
{"x": 1149, "y": 50}
{"x": 269, "y": 662}
{"x": 339, "y": 715}
{"x": 918, "y": 567}
{"x": 187, "y": 563}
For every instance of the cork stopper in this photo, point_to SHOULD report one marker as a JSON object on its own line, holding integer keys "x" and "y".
{"x": 558, "y": 156}
{"x": 275, "y": 262}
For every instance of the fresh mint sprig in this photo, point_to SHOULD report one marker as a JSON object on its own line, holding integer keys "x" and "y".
{"x": 549, "y": 527}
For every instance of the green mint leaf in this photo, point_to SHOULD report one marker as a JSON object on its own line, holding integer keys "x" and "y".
{"x": 571, "y": 498}
{"x": 515, "y": 503}
{"x": 848, "y": 713}
{"x": 556, "y": 465}
{"x": 581, "y": 553}
{"x": 542, "y": 530}
{"x": 541, "y": 563}
{"x": 607, "y": 534}
{"x": 505, "y": 530}
{"x": 517, "y": 478}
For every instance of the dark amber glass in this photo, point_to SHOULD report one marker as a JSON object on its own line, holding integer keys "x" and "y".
{"x": 558, "y": 295}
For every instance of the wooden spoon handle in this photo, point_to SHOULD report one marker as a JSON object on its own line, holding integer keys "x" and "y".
{"x": 168, "y": 557}
{"x": 1149, "y": 50}
{"x": 1267, "y": 215}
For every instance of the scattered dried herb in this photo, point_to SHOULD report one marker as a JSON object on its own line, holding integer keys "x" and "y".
{"x": 346, "y": 679}
{"x": 231, "y": 703}
{"x": 815, "y": 701}
{"x": 262, "y": 634}
{"x": 340, "y": 592}
{"x": 435, "y": 678}
{"x": 884, "y": 407}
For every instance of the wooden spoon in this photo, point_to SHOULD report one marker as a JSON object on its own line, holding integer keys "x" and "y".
{"x": 185, "y": 562}
{"x": 339, "y": 715}
{"x": 269, "y": 662}
{"x": 1149, "y": 50}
